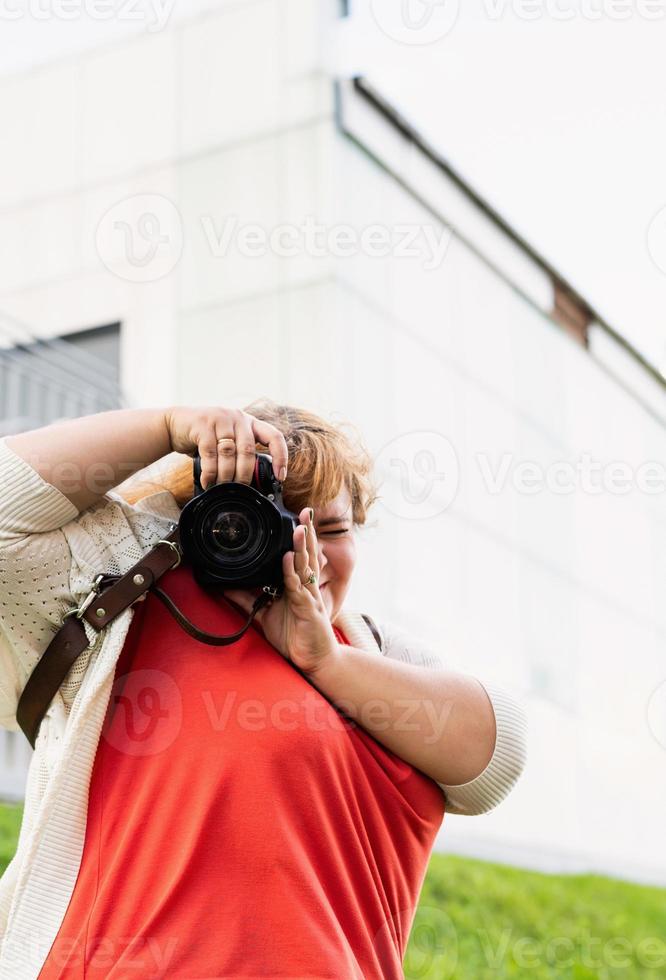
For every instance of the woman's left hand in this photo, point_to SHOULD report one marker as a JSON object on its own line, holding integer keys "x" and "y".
{"x": 296, "y": 624}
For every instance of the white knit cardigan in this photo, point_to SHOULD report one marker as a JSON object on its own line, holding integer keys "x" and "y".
{"x": 49, "y": 555}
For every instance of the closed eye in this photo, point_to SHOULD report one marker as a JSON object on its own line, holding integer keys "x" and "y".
{"x": 344, "y": 530}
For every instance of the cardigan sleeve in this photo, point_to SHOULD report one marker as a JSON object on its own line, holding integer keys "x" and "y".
{"x": 49, "y": 555}
{"x": 35, "y": 564}
{"x": 507, "y": 762}
{"x": 28, "y": 503}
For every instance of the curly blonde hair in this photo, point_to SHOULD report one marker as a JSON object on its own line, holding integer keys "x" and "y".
{"x": 323, "y": 457}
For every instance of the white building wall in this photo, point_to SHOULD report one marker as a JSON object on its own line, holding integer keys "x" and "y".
{"x": 556, "y": 595}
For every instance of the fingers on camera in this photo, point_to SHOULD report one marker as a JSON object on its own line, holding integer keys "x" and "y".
{"x": 230, "y": 453}
{"x": 208, "y": 455}
{"x": 268, "y": 435}
{"x": 246, "y": 454}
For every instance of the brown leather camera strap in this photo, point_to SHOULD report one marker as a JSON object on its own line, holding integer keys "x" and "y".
{"x": 373, "y": 629}
{"x": 110, "y": 595}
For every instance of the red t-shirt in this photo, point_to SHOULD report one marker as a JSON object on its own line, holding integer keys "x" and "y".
{"x": 239, "y": 825}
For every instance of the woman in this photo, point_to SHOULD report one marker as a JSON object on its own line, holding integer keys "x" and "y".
{"x": 264, "y": 809}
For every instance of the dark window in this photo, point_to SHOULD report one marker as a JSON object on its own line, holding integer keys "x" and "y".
{"x": 59, "y": 377}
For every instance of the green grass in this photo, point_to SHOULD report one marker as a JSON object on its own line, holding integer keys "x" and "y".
{"x": 479, "y": 920}
{"x": 10, "y": 822}
{"x": 483, "y": 920}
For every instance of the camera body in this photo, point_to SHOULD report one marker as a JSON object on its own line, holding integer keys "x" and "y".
{"x": 234, "y": 535}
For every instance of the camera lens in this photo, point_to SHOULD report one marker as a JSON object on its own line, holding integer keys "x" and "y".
{"x": 235, "y": 535}
{"x": 231, "y": 531}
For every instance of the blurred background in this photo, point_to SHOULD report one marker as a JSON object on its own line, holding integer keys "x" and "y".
{"x": 446, "y": 225}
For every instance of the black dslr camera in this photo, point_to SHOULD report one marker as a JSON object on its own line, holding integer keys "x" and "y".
{"x": 234, "y": 535}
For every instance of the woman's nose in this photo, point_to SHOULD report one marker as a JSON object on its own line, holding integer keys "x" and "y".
{"x": 321, "y": 557}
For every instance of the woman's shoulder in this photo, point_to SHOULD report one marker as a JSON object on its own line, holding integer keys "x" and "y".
{"x": 357, "y": 630}
{"x": 114, "y": 528}
{"x": 408, "y": 645}
{"x": 381, "y": 634}
{"x": 162, "y": 504}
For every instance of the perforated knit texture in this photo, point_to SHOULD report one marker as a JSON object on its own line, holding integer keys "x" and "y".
{"x": 49, "y": 556}
{"x": 41, "y": 578}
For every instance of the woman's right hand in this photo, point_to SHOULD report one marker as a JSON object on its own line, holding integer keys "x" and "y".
{"x": 225, "y": 440}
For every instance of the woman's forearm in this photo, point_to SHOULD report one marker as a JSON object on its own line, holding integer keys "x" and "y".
{"x": 438, "y": 720}
{"x": 85, "y": 457}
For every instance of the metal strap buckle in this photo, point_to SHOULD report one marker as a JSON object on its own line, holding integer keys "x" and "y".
{"x": 174, "y": 547}
{"x": 78, "y": 611}
{"x": 272, "y": 590}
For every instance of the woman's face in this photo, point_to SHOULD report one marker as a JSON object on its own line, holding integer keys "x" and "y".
{"x": 337, "y": 550}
